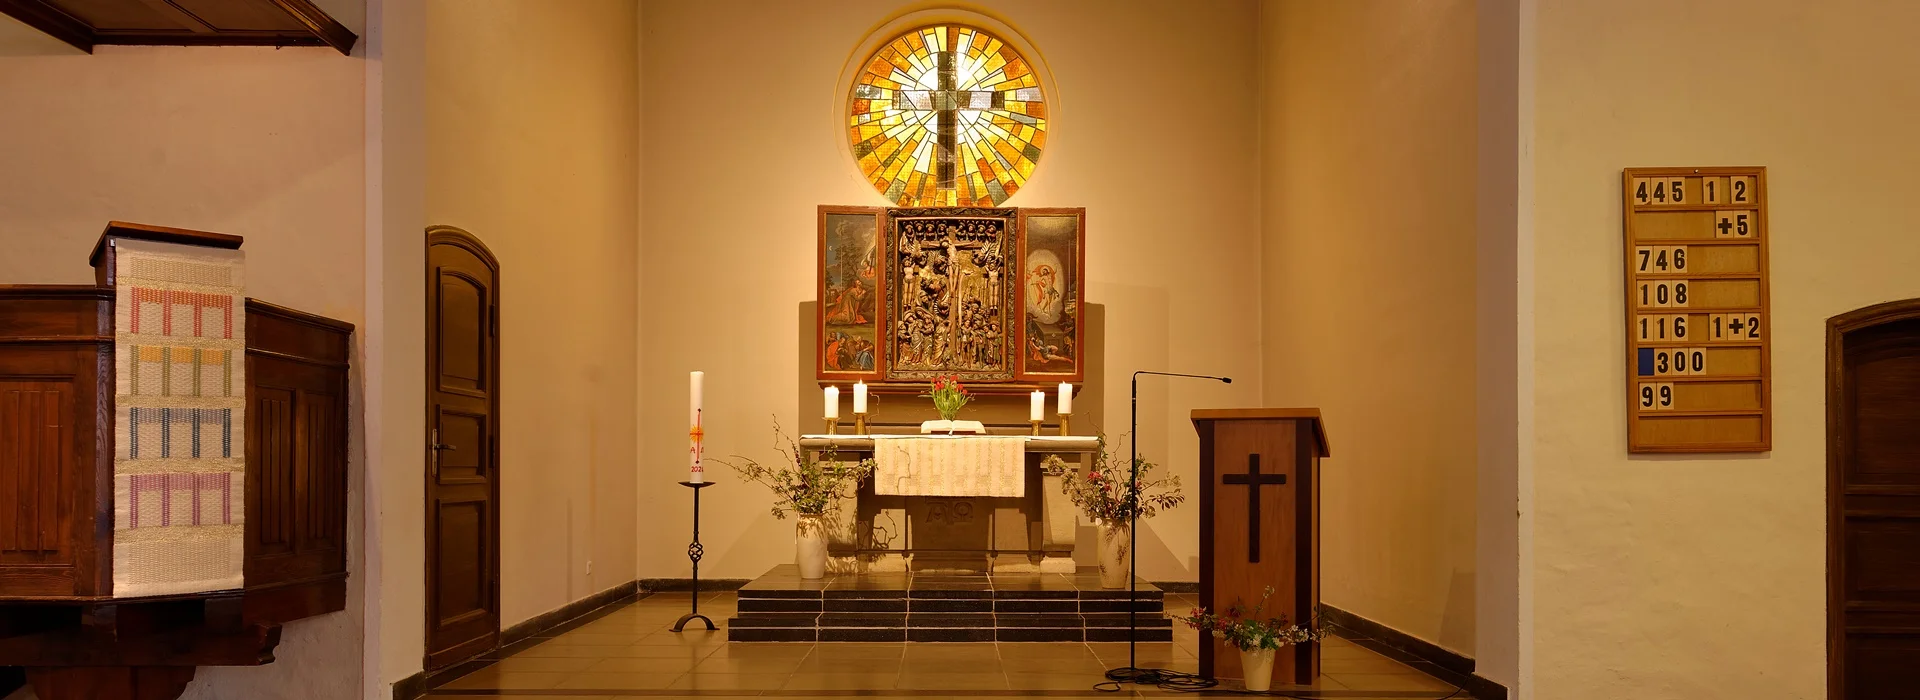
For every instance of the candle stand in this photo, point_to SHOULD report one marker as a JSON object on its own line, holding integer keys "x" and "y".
{"x": 694, "y": 552}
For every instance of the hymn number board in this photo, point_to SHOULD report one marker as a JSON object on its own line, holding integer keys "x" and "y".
{"x": 1698, "y": 360}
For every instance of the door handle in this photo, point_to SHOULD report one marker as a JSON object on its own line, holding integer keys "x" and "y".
{"x": 436, "y": 447}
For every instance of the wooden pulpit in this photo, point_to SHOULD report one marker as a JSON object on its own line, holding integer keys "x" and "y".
{"x": 1260, "y": 525}
{"x": 139, "y": 461}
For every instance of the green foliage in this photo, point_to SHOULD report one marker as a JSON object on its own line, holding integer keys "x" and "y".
{"x": 1103, "y": 495}
{"x": 806, "y": 486}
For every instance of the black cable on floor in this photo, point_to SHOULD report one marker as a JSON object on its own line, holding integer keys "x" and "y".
{"x": 1157, "y": 677}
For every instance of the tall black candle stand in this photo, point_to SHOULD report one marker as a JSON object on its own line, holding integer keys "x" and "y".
{"x": 693, "y": 552}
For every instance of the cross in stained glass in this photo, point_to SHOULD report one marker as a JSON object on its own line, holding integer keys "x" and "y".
{"x": 947, "y": 115}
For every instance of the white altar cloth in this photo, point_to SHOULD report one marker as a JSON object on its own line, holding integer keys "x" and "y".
{"x": 958, "y": 465}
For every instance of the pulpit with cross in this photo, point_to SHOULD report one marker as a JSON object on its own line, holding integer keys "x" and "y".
{"x": 1260, "y": 525}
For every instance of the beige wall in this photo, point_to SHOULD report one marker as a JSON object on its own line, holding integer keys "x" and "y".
{"x": 742, "y": 139}
{"x": 1367, "y": 136}
{"x": 531, "y": 108}
{"x": 1704, "y": 577}
{"x": 262, "y": 143}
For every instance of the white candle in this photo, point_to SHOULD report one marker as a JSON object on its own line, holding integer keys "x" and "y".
{"x": 833, "y": 402}
{"x": 1037, "y": 409}
{"x": 1066, "y": 399}
{"x": 695, "y": 434}
{"x": 860, "y": 397}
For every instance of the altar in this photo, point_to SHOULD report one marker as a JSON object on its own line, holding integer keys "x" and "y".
{"x": 962, "y": 530}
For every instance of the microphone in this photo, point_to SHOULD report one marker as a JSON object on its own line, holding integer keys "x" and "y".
{"x": 1133, "y": 672}
{"x": 1136, "y": 377}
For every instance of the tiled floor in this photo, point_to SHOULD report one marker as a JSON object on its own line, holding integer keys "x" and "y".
{"x": 629, "y": 652}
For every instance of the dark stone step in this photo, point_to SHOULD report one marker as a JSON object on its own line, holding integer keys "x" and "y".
{"x": 977, "y": 605}
{"x": 863, "y": 605}
{"x": 952, "y": 593}
{"x": 975, "y": 620}
{"x": 779, "y": 605}
{"x": 1036, "y": 606}
{"x": 1120, "y": 606}
{"x": 775, "y": 620}
{"x": 891, "y": 620}
{"x": 1038, "y": 620}
{"x": 863, "y": 634}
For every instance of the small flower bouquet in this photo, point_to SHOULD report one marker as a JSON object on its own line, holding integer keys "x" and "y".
{"x": 949, "y": 396}
{"x": 1246, "y": 630}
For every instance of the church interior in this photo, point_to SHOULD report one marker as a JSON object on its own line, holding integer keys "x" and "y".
{"x": 615, "y": 349}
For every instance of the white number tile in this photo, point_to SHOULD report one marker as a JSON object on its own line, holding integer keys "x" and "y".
{"x": 1713, "y": 190}
{"x": 1740, "y": 190}
{"x": 1642, "y": 191}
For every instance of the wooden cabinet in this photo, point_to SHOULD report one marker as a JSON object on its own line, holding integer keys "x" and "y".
{"x": 58, "y": 615}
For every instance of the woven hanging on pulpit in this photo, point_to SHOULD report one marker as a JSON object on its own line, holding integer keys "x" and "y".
{"x": 179, "y": 419}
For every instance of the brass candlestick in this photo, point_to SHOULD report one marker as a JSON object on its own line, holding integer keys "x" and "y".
{"x": 1065, "y": 420}
{"x": 1036, "y": 427}
{"x": 833, "y": 426}
{"x": 859, "y": 423}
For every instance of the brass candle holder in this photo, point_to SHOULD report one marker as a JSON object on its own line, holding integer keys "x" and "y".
{"x": 859, "y": 423}
{"x": 833, "y": 426}
{"x": 1036, "y": 427}
{"x": 1065, "y": 420}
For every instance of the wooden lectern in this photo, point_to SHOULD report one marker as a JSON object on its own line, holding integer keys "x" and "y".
{"x": 1260, "y": 525}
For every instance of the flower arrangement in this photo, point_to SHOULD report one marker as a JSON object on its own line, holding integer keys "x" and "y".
{"x": 949, "y": 396}
{"x": 1246, "y": 630}
{"x": 1102, "y": 493}
{"x": 810, "y": 487}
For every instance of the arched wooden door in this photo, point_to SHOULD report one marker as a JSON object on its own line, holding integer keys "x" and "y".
{"x": 1873, "y": 502}
{"x": 463, "y": 439}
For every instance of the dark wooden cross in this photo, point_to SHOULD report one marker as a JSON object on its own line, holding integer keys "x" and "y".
{"x": 1253, "y": 480}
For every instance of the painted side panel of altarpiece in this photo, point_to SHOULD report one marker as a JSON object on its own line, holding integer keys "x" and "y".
{"x": 1053, "y": 255}
{"x": 991, "y": 295}
{"x": 852, "y": 294}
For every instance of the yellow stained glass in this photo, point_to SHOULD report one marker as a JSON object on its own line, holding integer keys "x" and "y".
{"x": 947, "y": 115}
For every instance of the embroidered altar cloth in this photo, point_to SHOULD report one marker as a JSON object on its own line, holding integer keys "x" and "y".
{"x": 961, "y": 465}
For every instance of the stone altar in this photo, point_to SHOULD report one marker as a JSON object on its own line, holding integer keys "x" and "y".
{"x": 1035, "y": 533}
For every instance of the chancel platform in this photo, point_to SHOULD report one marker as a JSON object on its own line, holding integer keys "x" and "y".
{"x": 944, "y": 607}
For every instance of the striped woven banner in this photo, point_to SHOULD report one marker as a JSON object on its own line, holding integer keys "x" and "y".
{"x": 179, "y": 419}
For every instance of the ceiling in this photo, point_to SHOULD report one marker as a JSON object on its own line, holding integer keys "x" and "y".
{"x": 84, "y": 24}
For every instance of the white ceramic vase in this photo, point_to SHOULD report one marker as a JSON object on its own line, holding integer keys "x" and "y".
{"x": 1256, "y": 669}
{"x": 1116, "y": 555}
{"x": 810, "y": 547}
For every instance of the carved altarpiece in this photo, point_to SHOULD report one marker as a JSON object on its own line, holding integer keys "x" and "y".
{"x": 991, "y": 295}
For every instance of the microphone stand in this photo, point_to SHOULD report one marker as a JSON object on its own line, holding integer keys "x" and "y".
{"x": 1133, "y": 672}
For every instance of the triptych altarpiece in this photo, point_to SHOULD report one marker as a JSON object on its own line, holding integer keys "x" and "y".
{"x": 989, "y": 295}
